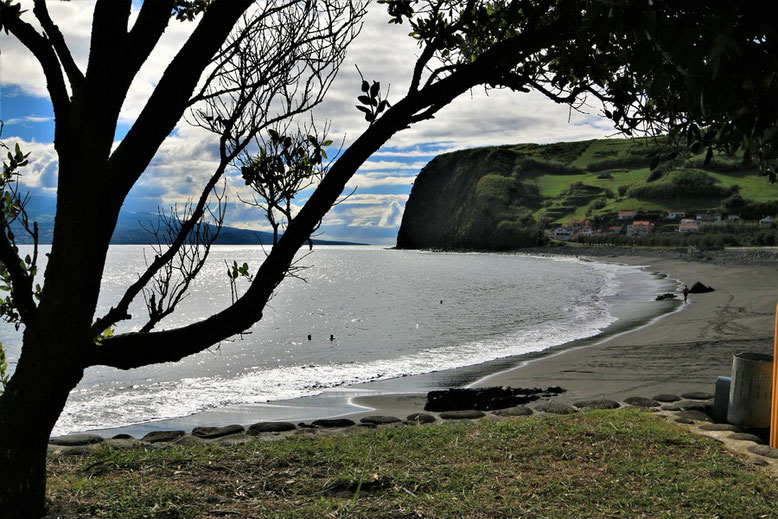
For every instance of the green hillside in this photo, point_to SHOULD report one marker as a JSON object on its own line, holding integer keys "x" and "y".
{"x": 504, "y": 197}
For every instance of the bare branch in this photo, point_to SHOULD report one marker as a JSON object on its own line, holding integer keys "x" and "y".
{"x": 183, "y": 229}
{"x": 75, "y": 76}
{"x": 170, "y": 98}
{"x": 172, "y": 281}
{"x": 44, "y": 53}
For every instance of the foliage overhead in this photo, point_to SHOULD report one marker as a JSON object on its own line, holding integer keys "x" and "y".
{"x": 702, "y": 72}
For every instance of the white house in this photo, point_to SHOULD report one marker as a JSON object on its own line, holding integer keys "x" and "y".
{"x": 676, "y": 214}
{"x": 560, "y": 233}
{"x": 641, "y": 228}
{"x": 767, "y": 220}
{"x": 626, "y": 214}
{"x": 688, "y": 226}
{"x": 705, "y": 219}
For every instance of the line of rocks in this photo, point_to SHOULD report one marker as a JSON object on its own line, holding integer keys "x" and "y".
{"x": 232, "y": 433}
{"x": 692, "y": 410}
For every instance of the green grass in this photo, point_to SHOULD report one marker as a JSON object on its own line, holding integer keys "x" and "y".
{"x": 605, "y": 463}
{"x": 552, "y": 186}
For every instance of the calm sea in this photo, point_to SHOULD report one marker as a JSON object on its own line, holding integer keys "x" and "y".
{"x": 390, "y": 314}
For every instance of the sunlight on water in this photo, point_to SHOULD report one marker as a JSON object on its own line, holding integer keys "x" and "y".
{"x": 391, "y": 313}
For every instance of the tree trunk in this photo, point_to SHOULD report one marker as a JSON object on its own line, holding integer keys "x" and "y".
{"x": 51, "y": 363}
{"x": 29, "y": 408}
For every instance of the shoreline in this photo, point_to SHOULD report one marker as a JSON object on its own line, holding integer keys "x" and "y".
{"x": 641, "y": 361}
{"x": 680, "y": 352}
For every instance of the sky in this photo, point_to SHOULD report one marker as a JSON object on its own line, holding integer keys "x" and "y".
{"x": 383, "y": 52}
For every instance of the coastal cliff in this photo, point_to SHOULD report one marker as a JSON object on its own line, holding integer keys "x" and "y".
{"x": 515, "y": 196}
{"x": 469, "y": 199}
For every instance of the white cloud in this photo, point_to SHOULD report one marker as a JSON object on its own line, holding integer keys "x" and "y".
{"x": 373, "y": 165}
{"x": 392, "y": 215}
{"x": 430, "y": 151}
{"x": 372, "y": 198}
{"x": 18, "y": 65}
{"x": 365, "y": 180}
{"x": 40, "y": 175}
{"x": 28, "y": 119}
{"x": 384, "y": 52}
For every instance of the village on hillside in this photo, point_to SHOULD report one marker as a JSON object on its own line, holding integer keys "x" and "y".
{"x": 637, "y": 224}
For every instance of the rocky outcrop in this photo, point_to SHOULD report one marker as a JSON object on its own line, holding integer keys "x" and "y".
{"x": 471, "y": 199}
{"x": 380, "y": 420}
{"x": 555, "y": 408}
{"x": 462, "y": 415}
{"x": 514, "y": 411}
{"x": 217, "y": 432}
{"x": 699, "y": 288}
{"x": 485, "y": 399}
{"x": 270, "y": 427}
{"x": 417, "y": 418}
{"x": 599, "y": 403}
{"x": 162, "y": 436}
{"x": 332, "y": 423}
{"x": 76, "y": 440}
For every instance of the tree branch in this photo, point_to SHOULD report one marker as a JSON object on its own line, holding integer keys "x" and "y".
{"x": 171, "y": 96}
{"x": 42, "y": 50}
{"x": 21, "y": 282}
{"x": 75, "y": 76}
{"x": 151, "y": 23}
{"x": 109, "y": 30}
{"x": 119, "y": 312}
{"x": 138, "y": 349}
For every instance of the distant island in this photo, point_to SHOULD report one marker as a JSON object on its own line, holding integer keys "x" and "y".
{"x": 598, "y": 191}
{"x": 132, "y": 228}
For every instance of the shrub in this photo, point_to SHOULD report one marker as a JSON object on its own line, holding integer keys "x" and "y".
{"x": 531, "y": 164}
{"x": 628, "y": 162}
{"x": 749, "y": 209}
{"x": 685, "y": 183}
{"x": 517, "y": 234}
{"x": 623, "y": 189}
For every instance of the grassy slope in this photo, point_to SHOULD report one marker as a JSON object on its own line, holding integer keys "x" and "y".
{"x": 445, "y": 210}
{"x": 552, "y": 185}
{"x": 603, "y": 463}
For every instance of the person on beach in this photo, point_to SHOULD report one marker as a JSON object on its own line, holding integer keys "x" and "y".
{"x": 685, "y": 293}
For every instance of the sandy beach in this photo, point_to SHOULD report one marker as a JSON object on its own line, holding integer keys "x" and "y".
{"x": 679, "y": 352}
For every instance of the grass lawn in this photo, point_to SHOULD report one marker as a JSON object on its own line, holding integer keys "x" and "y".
{"x": 624, "y": 463}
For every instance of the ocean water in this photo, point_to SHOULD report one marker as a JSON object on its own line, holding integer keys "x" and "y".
{"x": 391, "y": 314}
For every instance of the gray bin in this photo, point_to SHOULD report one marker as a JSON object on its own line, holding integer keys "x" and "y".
{"x": 750, "y": 391}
